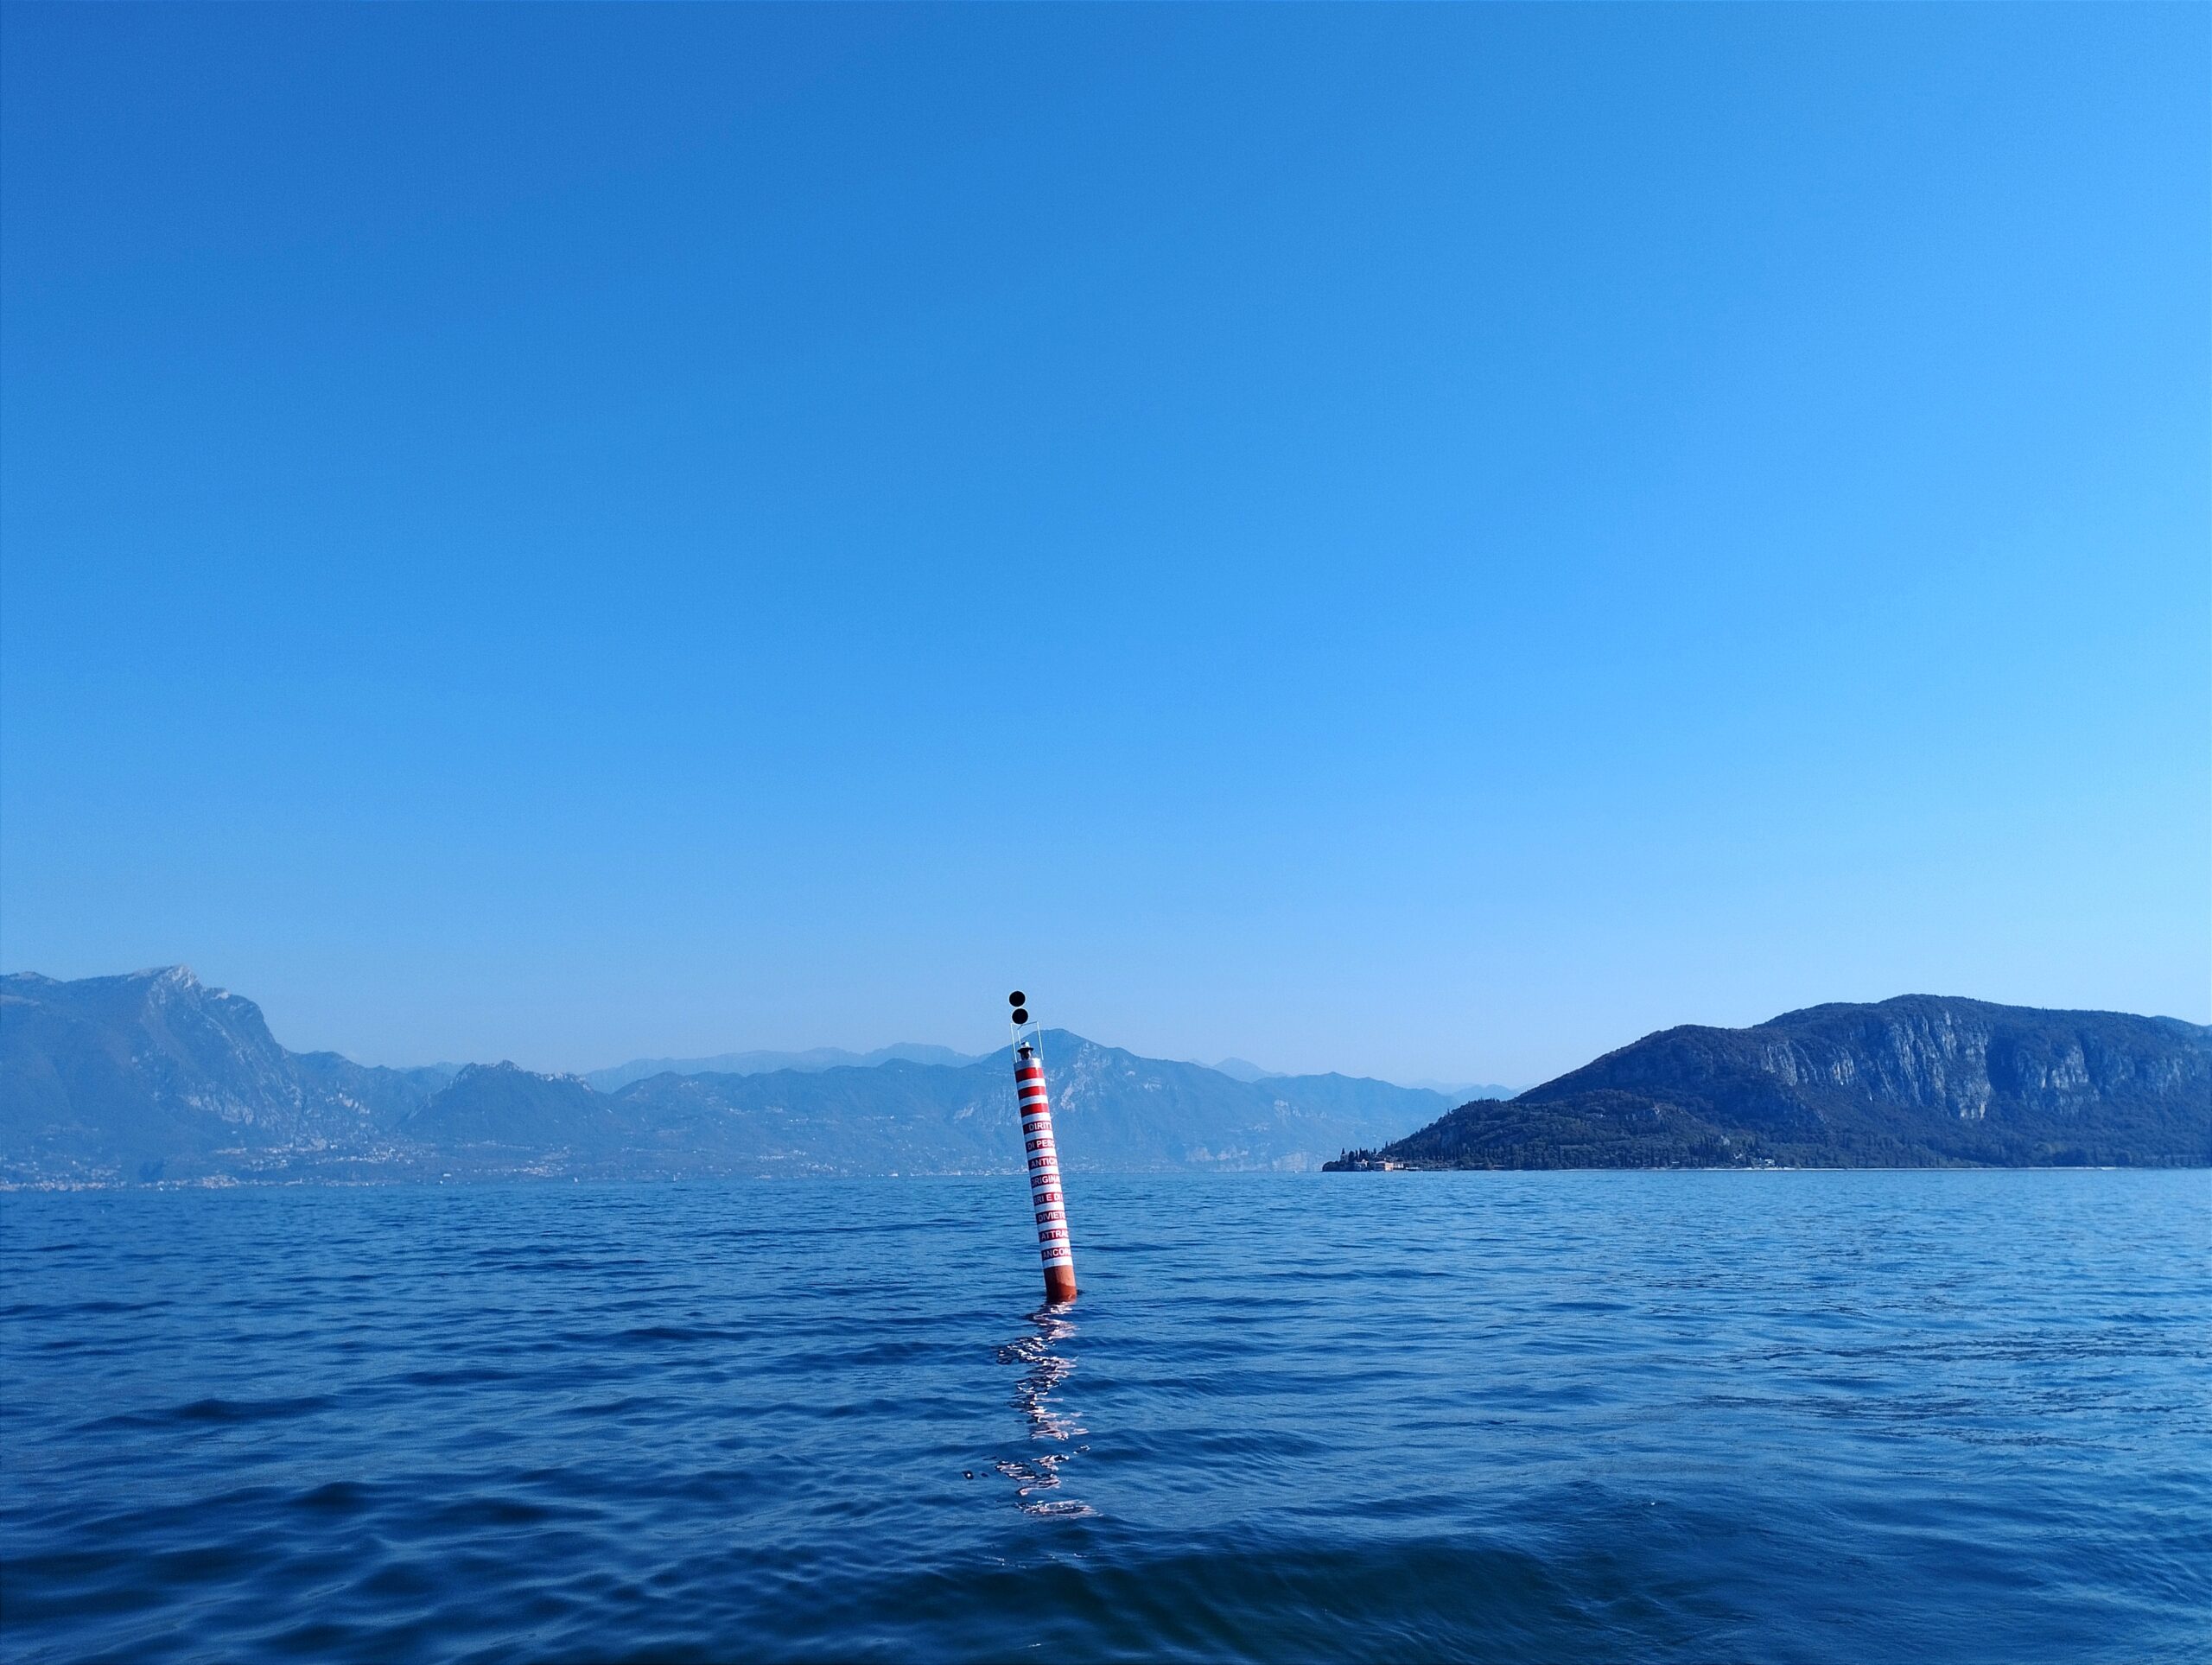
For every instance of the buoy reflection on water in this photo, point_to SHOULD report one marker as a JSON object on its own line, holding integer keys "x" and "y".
{"x": 1051, "y": 1421}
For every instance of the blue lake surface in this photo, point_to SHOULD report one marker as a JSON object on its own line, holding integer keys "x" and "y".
{"x": 1859, "y": 1416}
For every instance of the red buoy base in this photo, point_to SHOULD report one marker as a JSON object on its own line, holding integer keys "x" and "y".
{"x": 1059, "y": 1285}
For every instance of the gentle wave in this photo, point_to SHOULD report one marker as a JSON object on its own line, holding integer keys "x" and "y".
{"x": 1666, "y": 1417}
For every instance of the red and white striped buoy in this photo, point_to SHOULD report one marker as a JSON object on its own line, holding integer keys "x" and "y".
{"x": 1045, "y": 1197}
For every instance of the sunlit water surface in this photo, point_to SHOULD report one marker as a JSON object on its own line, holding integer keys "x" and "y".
{"x": 1700, "y": 1417}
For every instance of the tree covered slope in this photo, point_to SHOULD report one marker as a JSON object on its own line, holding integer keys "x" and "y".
{"x": 1918, "y": 1081}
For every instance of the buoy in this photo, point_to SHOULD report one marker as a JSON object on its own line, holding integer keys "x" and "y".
{"x": 1045, "y": 1198}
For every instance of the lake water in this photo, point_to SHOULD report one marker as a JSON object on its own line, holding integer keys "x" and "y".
{"x": 1764, "y": 1417}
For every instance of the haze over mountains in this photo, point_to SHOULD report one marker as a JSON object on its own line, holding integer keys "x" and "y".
{"x": 155, "y": 1077}
{"x": 907, "y": 1052}
{"x": 761, "y": 1062}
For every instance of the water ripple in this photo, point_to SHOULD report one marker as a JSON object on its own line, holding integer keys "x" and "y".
{"x": 1667, "y": 1417}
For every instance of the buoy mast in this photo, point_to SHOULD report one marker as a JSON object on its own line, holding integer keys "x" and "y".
{"x": 1045, "y": 1197}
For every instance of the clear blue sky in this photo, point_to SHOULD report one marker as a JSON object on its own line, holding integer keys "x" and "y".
{"x": 1426, "y": 542}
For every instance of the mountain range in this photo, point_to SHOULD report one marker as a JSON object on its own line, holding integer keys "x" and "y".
{"x": 907, "y": 1052}
{"x": 760, "y": 1063}
{"x": 1922, "y": 1080}
{"x": 154, "y": 1076}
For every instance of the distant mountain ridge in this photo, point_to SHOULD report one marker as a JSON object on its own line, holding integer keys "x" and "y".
{"x": 154, "y": 1076}
{"x": 1922, "y": 1080}
{"x": 1459, "y": 1092}
{"x": 764, "y": 1062}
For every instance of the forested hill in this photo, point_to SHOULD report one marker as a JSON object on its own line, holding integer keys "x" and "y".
{"x": 1922, "y": 1080}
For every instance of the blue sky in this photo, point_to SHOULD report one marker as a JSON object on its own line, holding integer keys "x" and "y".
{"x": 1423, "y": 542}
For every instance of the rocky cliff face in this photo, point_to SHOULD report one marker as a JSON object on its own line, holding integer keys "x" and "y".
{"x": 1955, "y": 1057}
{"x": 1915, "y": 1080}
{"x": 155, "y": 1075}
{"x": 123, "y": 1075}
{"x": 161, "y": 1035}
